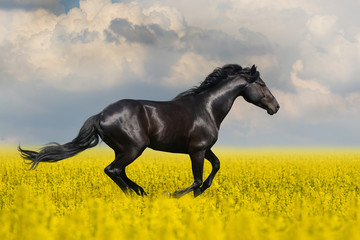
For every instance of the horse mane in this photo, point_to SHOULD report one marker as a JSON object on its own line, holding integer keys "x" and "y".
{"x": 218, "y": 75}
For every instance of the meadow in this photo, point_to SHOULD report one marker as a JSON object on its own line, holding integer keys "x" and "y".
{"x": 258, "y": 194}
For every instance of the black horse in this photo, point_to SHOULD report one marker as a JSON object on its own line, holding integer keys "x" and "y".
{"x": 187, "y": 124}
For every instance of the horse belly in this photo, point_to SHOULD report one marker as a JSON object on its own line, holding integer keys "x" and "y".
{"x": 168, "y": 148}
{"x": 176, "y": 143}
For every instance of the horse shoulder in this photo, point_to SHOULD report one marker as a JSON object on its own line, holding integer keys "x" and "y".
{"x": 204, "y": 132}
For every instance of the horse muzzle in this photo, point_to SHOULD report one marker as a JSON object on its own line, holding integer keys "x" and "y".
{"x": 273, "y": 110}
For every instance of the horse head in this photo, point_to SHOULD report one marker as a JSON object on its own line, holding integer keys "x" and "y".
{"x": 257, "y": 93}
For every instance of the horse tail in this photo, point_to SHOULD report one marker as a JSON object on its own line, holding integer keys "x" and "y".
{"x": 87, "y": 137}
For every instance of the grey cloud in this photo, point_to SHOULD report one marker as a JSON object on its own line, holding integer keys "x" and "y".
{"x": 41, "y": 114}
{"x": 296, "y": 132}
{"x": 212, "y": 43}
{"x": 254, "y": 39}
{"x": 84, "y": 36}
{"x": 146, "y": 34}
{"x": 54, "y": 6}
{"x": 216, "y": 43}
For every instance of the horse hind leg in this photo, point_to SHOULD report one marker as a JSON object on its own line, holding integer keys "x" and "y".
{"x": 116, "y": 171}
{"x": 138, "y": 190}
{"x": 114, "y": 174}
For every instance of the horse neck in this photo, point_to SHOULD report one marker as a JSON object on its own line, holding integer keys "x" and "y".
{"x": 220, "y": 99}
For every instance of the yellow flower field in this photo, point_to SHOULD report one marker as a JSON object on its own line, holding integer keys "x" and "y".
{"x": 257, "y": 194}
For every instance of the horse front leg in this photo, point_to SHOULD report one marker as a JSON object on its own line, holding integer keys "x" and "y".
{"x": 215, "y": 163}
{"x": 197, "y": 162}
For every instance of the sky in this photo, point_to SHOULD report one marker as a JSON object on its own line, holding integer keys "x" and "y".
{"x": 62, "y": 61}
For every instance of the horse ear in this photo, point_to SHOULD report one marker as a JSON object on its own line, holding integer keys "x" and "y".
{"x": 253, "y": 70}
{"x": 254, "y": 74}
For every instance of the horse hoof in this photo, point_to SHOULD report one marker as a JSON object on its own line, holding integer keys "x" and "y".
{"x": 166, "y": 194}
{"x": 197, "y": 192}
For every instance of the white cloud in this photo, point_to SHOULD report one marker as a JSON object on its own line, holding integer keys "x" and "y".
{"x": 299, "y": 83}
{"x": 314, "y": 102}
{"x": 70, "y": 51}
{"x": 267, "y": 62}
{"x": 329, "y": 54}
{"x": 190, "y": 69}
{"x": 166, "y": 17}
{"x": 322, "y": 26}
